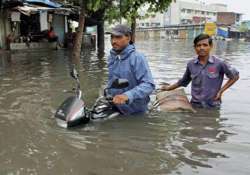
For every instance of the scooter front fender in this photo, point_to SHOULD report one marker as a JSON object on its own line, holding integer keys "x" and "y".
{"x": 72, "y": 111}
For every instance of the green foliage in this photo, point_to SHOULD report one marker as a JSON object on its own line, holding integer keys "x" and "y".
{"x": 94, "y": 5}
{"x": 91, "y": 5}
{"x": 243, "y": 27}
{"x": 128, "y": 9}
{"x": 112, "y": 14}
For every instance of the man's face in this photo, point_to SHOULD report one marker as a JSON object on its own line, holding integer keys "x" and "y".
{"x": 203, "y": 48}
{"x": 119, "y": 42}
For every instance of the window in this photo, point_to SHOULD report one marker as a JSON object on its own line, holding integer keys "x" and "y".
{"x": 158, "y": 24}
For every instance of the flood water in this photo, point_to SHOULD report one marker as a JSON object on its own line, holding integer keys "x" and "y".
{"x": 208, "y": 142}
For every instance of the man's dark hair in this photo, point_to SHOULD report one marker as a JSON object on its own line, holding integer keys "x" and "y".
{"x": 202, "y": 37}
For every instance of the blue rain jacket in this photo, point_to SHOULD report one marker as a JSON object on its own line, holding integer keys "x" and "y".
{"x": 133, "y": 66}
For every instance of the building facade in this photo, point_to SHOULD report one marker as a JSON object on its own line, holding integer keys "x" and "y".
{"x": 182, "y": 12}
{"x": 228, "y": 18}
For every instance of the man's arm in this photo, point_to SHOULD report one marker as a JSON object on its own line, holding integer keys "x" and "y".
{"x": 170, "y": 87}
{"x": 184, "y": 81}
{"x": 228, "y": 84}
{"x": 233, "y": 76}
{"x": 145, "y": 79}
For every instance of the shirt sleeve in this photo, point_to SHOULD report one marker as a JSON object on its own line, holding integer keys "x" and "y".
{"x": 110, "y": 75}
{"x": 143, "y": 75}
{"x": 185, "y": 80}
{"x": 229, "y": 71}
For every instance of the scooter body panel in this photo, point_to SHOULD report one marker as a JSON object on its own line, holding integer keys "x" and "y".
{"x": 72, "y": 111}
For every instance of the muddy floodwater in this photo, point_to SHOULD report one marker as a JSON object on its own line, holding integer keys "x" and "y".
{"x": 209, "y": 142}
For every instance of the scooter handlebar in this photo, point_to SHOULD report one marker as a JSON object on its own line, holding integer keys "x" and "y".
{"x": 68, "y": 91}
{"x": 109, "y": 98}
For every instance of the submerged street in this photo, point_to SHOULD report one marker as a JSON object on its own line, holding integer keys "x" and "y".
{"x": 207, "y": 142}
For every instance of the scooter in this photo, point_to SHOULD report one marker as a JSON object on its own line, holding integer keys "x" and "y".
{"x": 73, "y": 111}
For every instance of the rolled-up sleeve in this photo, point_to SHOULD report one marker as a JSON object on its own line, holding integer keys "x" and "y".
{"x": 229, "y": 71}
{"x": 185, "y": 80}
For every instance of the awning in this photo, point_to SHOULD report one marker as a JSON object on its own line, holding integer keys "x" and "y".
{"x": 28, "y": 10}
{"x": 33, "y": 9}
{"x": 45, "y": 2}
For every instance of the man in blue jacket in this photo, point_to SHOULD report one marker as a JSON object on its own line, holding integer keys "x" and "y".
{"x": 125, "y": 62}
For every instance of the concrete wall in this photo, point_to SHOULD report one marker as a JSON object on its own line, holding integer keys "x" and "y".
{"x": 188, "y": 32}
{"x": 183, "y": 34}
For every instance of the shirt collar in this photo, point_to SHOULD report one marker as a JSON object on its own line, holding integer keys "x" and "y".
{"x": 210, "y": 60}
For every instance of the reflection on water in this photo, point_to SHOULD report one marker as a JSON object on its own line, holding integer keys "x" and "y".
{"x": 31, "y": 142}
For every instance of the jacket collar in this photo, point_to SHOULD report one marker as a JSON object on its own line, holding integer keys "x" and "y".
{"x": 124, "y": 53}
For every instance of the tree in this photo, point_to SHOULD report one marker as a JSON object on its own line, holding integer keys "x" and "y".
{"x": 79, "y": 34}
{"x": 86, "y": 8}
{"x": 111, "y": 10}
{"x": 129, "y": 10}
{"x": 94, "y": 9}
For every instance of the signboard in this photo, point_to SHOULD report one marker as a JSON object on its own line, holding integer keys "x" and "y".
{"x": 210, "y": 28}
{"x": 223, "y": 32}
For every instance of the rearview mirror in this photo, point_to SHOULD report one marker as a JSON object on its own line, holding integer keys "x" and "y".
{"x": 120, "y": 83}
{"x": 74, "y": 73}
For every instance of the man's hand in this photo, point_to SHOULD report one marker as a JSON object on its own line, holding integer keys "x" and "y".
{"x": 228, "y": 84}
{"x": 218, "y": 96}
{"x": 120, "y": 99}
{"x": 165, "y": 88}
{"x": 168, "y": 87}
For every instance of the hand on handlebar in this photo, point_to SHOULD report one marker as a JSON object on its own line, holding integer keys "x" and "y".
{"x": 120, "y": 99}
